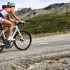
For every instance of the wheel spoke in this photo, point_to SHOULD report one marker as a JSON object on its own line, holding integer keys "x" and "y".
{"x": 23, "y": 44}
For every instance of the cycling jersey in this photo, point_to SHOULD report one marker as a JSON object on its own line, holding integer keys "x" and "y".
{"x": 3, "y": 14}
{"x": 2, "y": 20}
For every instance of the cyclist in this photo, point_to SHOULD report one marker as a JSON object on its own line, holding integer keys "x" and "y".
{"x": 4, "y": 12}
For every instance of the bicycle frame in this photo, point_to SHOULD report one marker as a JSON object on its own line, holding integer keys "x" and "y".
{"x": 17, "y": 31}
{"x": 13, "y": 34}
{"x": 18, "y": 40}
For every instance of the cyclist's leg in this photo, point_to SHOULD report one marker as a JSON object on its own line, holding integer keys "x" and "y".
{"x": 10, "y": 25}
{"x": 1, "y": 22}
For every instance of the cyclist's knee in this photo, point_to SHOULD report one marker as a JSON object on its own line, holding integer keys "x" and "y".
{"x": 9, "y": 23}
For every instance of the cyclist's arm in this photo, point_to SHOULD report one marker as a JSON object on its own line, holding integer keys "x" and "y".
{"x": 11, "y": 19}
{"x": 16, "y": 17}
{"x": 13, "y": 13}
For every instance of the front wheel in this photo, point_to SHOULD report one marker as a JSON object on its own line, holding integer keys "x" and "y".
{"x": 23, "y": 44}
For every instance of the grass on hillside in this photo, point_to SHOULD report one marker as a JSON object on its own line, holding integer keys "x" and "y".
{"x": 48, "y": 23}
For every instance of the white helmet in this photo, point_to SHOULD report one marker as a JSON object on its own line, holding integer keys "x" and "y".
{"x": 11, "y": 4}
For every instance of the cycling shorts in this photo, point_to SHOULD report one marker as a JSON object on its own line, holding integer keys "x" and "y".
{"x": 2, "y": 20}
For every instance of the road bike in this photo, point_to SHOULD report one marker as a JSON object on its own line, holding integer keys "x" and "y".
{"x": 22, "y": 38}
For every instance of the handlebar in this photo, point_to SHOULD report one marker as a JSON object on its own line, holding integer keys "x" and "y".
{"x": 18, "y": 23}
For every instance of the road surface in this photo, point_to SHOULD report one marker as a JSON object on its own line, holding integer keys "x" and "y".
{"x": 47, "y": 44}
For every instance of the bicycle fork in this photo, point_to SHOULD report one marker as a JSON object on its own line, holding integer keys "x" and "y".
{"x": 19, "y": 33}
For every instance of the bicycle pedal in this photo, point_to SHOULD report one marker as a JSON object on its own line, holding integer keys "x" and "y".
{"x": 21, "y": 40}
{"x": 1, "y": 46}
{"x": 8, "y": 46}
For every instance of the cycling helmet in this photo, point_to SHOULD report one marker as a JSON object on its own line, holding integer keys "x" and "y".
{"x": 11, "y": 4}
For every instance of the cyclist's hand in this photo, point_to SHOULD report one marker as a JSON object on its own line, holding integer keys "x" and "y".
{"x": 22, "y": 22}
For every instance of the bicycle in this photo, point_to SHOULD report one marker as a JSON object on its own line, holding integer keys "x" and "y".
{"x": 22, "y": 38}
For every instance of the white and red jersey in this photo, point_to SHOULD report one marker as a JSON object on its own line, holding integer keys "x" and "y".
{"x": 4, "y": 13}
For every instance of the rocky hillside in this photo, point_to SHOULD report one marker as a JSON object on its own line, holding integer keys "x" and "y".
{"x": 49, "y": 23}
{"x": 54, "y": 6}
{"x": 57, "y": 8}
{"x": 21, "y": 11}
{"x": 48, "y": 19}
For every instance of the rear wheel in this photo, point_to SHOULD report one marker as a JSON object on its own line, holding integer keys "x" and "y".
{"x": 23, "y": 44}
{"x": 1, "y": 46}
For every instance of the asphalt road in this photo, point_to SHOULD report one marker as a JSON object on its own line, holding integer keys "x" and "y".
{"x": 47, "y": 44}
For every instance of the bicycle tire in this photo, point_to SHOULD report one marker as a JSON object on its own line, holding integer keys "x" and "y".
{"x": 1, "y": 47}
{"x": 16, "y": 42}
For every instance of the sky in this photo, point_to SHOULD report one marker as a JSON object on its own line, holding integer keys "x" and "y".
{"x": 34, "y": 4}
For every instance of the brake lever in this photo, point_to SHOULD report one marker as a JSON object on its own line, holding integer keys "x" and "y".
{"x": 18, "y": 23}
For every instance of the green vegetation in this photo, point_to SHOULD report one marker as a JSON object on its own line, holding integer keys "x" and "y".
{"x": 13, "y": 68}
{"x": 51, "y": 62}
{"x": 58, "y": 58}
{"x": 48, "y": 23}
{"x": 65, "y": 62}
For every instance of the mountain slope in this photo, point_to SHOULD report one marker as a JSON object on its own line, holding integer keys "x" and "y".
{"x": 48, "y": 23}
{"x": 57, "y": 8}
